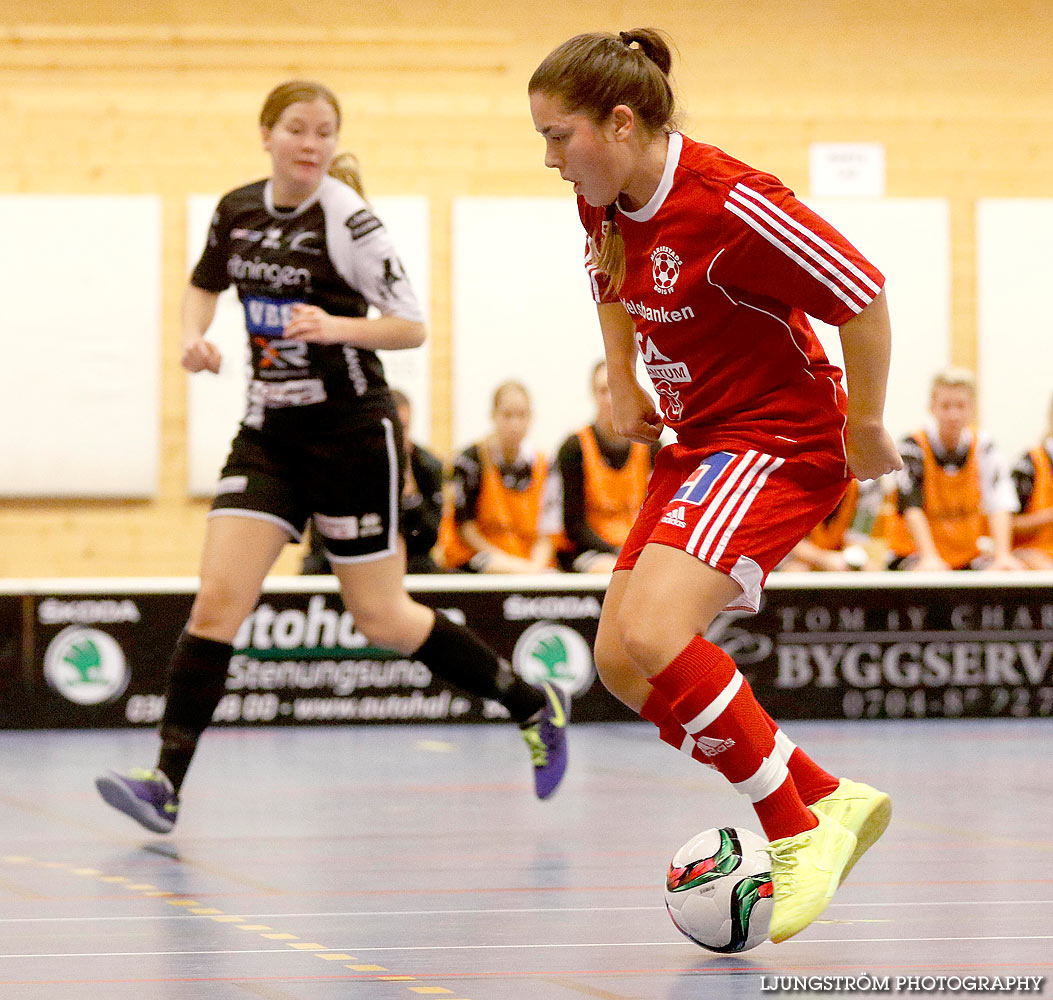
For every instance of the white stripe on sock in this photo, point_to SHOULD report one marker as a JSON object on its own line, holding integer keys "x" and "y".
{"x": 768, "y": 777}
{"x": 712, "y": 711}
{"x": 784, "y": 746}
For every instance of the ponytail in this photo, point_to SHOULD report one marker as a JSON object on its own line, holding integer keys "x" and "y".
{"x": 345, "y": 168}
{"x": 594, "y": 73}
{"x": 609, "y": 256}
{"x": 652, "y": 43}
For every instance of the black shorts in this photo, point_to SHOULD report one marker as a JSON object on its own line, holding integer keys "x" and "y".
{"x": 350, "y": 486}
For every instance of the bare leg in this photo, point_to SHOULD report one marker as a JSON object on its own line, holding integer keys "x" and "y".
{"x": 238, "y": 554}
{"x": 375, "y": 593}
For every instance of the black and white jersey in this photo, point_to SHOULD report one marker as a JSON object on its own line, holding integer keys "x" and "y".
{"x": 332, "y": 252}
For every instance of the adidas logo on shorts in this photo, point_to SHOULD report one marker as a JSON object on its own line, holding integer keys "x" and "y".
{"x": 675, "y": 517}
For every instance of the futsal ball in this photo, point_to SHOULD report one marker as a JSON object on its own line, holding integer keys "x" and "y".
{"x": 718, "y": 890}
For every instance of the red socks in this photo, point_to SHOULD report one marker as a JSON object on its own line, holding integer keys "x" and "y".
{"x": 813, "y": 783}
{"x": 702, "y": 699}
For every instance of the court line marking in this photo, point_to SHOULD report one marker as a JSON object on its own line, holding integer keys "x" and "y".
{"x": 292, "y": 941}
{"x": 316, "y": 948}
{"x": 521, "y": 947}
{"x": 912, "y": 904}
{"x": 585, "y": 989}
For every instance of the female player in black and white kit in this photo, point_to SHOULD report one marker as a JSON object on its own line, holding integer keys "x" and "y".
{"x": 319, "y": 439}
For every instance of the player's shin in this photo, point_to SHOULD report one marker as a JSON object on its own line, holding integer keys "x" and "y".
{"x": 454, "y": 653}
{"x": 715, "y": 706}
{"x": 197, "y": 681}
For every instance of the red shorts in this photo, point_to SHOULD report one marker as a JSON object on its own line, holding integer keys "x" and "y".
{"x": 739, "y": 512}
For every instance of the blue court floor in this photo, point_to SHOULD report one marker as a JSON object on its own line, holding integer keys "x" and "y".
{"x": 394, "y": 863}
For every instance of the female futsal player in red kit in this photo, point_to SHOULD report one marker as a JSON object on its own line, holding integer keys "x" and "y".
{"x": 709, "y": 268}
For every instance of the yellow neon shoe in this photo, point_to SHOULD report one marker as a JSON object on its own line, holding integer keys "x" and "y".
{"x": 805, "y": 870}
{"x": 859, "y": 808}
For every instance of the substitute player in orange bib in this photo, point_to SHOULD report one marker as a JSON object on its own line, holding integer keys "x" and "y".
{"x": 954, "y": 497}
{"x": 709, "y": 268}
{"x": 1033, "y": 481}
{"x": 598, "y": 482}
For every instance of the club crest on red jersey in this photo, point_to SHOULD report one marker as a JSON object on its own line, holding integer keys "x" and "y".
{"x": 665, "y": 269}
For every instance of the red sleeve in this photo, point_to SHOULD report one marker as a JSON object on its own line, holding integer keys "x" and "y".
{"x": 592, "y": 220}
{"x": 778, "y": 248}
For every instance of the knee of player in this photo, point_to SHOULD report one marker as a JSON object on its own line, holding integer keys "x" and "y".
{"x": 618, "y": 673}
{"x": 217, "y": 608}
{"x": 640, "y": 637}
{"x": 382, "y": 622}
{"x": 610, "y": 660}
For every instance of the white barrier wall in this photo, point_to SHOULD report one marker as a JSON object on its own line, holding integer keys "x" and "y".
{"x": 79, "y": 387}
{"x": 216, "y": 403}
{"x": 1014, "y": 250}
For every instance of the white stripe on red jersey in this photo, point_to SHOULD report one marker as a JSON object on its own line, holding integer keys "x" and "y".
{"x": 758, "y": 483}
{"x": 773, "y": 224}
{"x": 594, "y": 273}
{"x": 820, "y": 242}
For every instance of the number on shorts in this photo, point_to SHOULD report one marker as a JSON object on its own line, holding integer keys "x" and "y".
{"x": 698, "y": 484}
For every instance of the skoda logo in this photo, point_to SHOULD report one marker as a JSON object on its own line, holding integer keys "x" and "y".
{"x": 554, "y": 653}
{"x": 85, "y": 666}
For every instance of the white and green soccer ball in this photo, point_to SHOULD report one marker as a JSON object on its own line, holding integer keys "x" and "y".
{"x": 718, "y": 890}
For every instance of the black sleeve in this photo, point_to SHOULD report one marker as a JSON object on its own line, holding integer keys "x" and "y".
{"x": 1023, "y": 475}
{"x": 911, "y": 478}
{"x": 465, "y": 481}
{"x": 571, "y": 464}
{"x": 210, "y": 273}
{"x": 421, "y": 524}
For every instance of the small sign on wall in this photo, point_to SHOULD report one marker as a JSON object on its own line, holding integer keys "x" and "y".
{"x": 847, "y": 169}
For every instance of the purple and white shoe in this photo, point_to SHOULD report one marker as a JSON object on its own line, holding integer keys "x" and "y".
{"x": 146, "y": 796}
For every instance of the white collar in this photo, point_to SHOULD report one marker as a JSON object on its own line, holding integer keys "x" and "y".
{"x": 665, "y": 185}
{"x": 268, "y": 200}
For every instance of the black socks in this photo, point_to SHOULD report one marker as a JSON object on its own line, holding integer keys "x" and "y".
{"x": 197, "y": 680}
{"x": 458, "y": 655}
{"x": 198, "y": 674}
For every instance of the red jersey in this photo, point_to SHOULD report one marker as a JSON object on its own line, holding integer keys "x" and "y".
{"x": 723, "y": 267}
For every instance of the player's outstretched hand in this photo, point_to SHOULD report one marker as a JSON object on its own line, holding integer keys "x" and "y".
{"x": 201, "y": 355}
{"x": 871, "y": 451}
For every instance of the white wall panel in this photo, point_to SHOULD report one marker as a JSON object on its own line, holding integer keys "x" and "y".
{"x": 909, "y": 241}
{"x": 79, "y": 387}
{"x": 1014, "y": 243}
{"x": 521, "y": 310}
